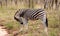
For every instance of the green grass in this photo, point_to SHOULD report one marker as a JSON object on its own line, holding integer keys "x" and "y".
{"x": 7, "y": 14}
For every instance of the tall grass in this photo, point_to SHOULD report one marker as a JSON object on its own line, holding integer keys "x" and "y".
{"x": 7, "y": 14}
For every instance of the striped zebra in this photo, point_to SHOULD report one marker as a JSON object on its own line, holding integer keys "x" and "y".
{"x": 23, "y": 15}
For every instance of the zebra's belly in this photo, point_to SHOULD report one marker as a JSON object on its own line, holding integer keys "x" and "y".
{"x": 32, "y": 18}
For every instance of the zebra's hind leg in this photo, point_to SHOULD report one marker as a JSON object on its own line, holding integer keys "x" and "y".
{"x": 45, "y": 23}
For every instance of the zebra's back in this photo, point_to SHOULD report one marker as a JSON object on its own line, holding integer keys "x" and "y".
{"x": 35, "y": 14}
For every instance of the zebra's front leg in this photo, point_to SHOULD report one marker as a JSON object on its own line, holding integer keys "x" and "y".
{"x": 25, "y": 24}
{"x": 23, "y": 27}
{"x": 19, "y": 31}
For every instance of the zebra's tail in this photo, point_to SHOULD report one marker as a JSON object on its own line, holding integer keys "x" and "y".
{"x": 46, "y": 22}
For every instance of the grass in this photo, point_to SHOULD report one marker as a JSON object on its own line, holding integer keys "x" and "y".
{"x": 7, "y": 14}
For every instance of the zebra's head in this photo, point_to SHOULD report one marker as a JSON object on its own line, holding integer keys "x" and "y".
{"x": 21, "y": 20}
{"x": 18, "y": 16}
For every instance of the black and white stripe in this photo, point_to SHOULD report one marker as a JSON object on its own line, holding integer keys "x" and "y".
{"x": 23, "y": 15}
{"x": 32, "y": 14}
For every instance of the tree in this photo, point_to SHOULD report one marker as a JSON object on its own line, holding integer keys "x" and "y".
{"x": 1, "y": 3}
{"x": 6, "y": 2}
{"x": 15, "y": 2}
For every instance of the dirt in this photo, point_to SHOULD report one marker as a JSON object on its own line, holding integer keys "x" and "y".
{"x": 3, "y": 32}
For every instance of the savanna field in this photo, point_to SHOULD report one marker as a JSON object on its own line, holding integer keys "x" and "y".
{"x": 35, "y": 27}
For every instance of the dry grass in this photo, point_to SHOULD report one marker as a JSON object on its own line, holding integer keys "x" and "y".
{"x": 7, "y": 19}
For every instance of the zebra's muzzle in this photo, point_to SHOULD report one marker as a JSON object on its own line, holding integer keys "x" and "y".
{"x": 21, "y": 22}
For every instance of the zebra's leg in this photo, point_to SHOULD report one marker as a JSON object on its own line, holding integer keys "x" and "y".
{"x": 45, "y": 23}
{"x": 25, "y": 25}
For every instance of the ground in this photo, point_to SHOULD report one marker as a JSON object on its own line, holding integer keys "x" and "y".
{"x": 35, "y": 27}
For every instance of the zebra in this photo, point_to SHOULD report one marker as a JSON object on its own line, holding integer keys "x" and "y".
{"x": 24, "y": 15}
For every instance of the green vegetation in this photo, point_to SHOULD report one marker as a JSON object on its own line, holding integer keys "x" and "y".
{"x": 7, "y": 14}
